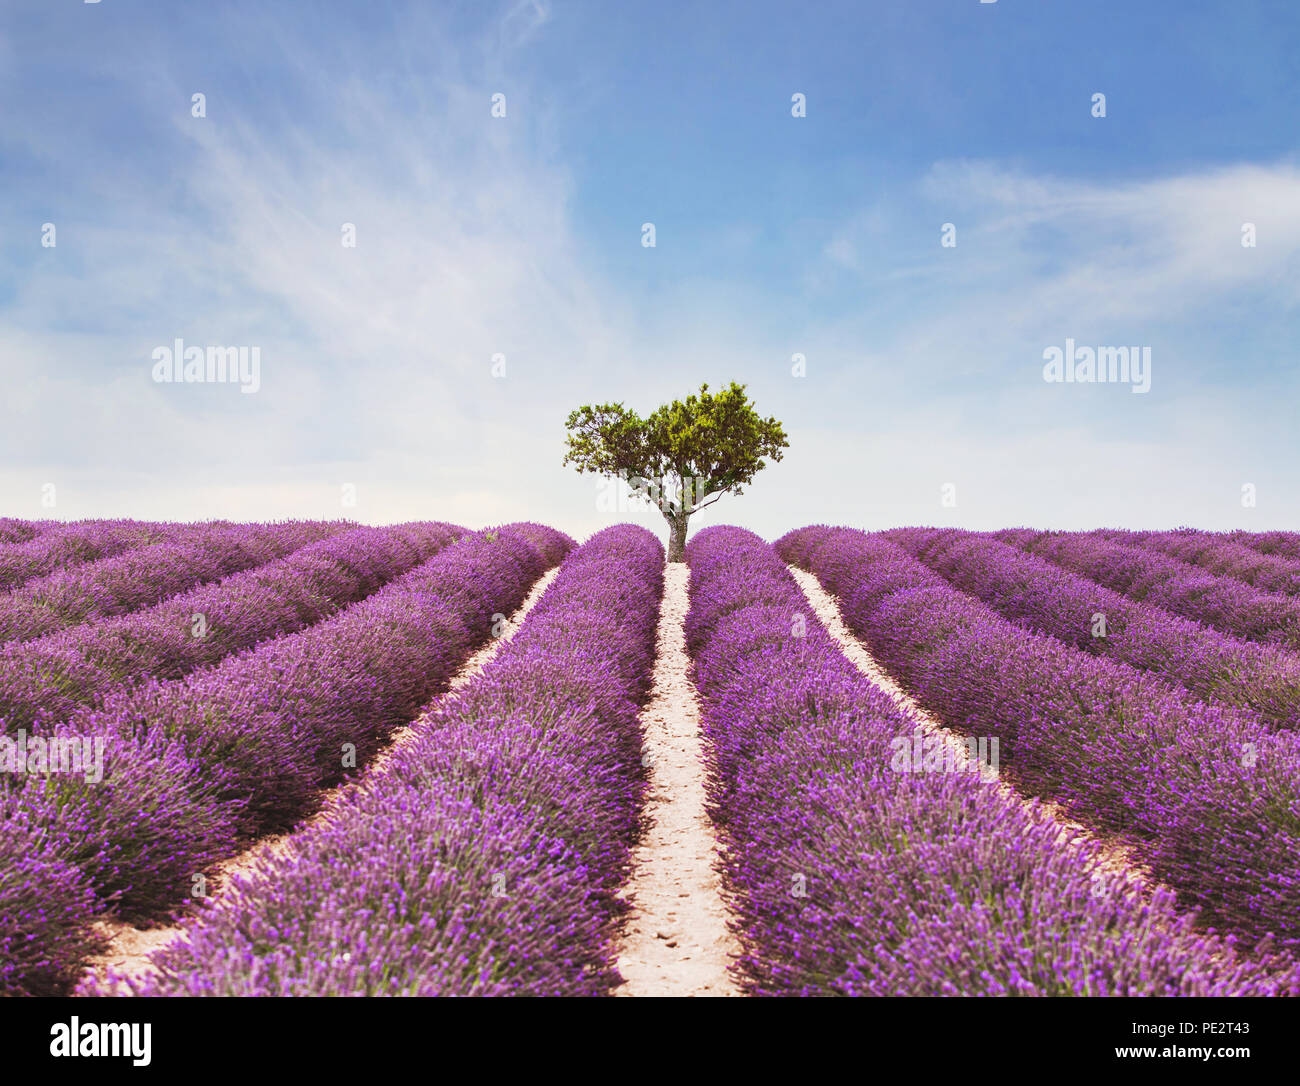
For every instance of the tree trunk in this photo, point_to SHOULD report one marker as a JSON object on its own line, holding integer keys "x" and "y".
{"x": 677, "y": 536}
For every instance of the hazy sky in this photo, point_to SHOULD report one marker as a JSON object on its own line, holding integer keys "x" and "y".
{"x": 776, "y": 235}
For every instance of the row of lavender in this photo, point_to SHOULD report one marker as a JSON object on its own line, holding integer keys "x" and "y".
{"x": 15, "y": 530}
{"x": 1270, "y": 570}
{"x": 67, "y": 546}
{"x": 851, "y": 876}
{"x": 1282, "y": 544}
{"x": 1210, "y": 799}
{"x": 493, "y": 844}
{"x": 45, "y": 681}
{"x": 144, "y": 576}
{"x": 194, "y": 767}
{"x": 1236, "y": 553}
{"x": 1148, "y": 574}
{"x": 1259, "y": 679}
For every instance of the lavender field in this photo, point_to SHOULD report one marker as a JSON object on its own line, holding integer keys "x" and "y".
{"x": 319, "y": 758}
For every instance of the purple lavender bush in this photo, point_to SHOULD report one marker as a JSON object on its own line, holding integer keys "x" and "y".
{"x": 74, "y": 544}
{"x": 1148, "y": 576}
{"x": 553, "y": 546}
{"x": 1209, "y": 799}
{"x": 139, "y": 831}
{"x": 1033, "y": 593}
{"x": 848, "y": 876}
{"x": 1281, "y": 544}
{"x": 1220, "y": 554}
{"x": 43, "y": 682}
{"x": 46, "y": 904}
{"x": 147, "y": 575}
{"x": 13, "y": 530}
{"x": 493, "y": 844}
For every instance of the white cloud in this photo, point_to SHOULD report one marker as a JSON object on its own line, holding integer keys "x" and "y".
{"x": 1149, "y": 249}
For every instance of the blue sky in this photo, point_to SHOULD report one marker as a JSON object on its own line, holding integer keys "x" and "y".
{"x": 775, "y": 235}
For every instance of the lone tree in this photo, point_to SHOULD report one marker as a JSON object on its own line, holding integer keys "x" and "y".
{"x": 683, "y": 457}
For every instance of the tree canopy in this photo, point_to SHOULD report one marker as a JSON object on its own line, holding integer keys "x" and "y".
{"x": 684, "y": 456}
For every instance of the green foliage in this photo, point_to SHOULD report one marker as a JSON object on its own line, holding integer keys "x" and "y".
{"x": 706, "y": 445}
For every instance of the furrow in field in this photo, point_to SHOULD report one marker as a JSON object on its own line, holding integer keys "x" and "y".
{"x": 1281, "y": 544}
{"x": 676, "y": 940}
{"x": 1117, "y": 856}
{"x": 14, "y": 530}
{"x": 1220, "y": 555}
{"x": 67, "y": 546}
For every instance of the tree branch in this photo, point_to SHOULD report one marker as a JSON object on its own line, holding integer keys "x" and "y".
{"x": 705, "y": 505}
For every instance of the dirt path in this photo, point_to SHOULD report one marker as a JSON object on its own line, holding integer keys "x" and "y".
{"x": 129, "y": 947}
{"x": 1118, "y": 858}
{"x": 676, "y": 941}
